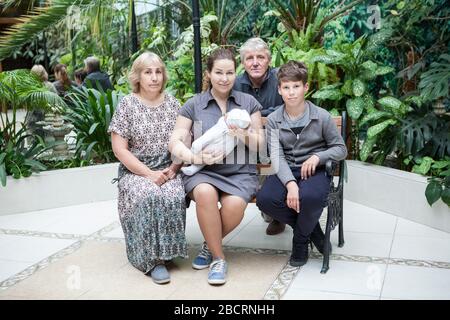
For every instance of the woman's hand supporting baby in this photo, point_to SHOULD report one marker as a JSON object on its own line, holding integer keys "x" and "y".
{"x": 206, "y": 157}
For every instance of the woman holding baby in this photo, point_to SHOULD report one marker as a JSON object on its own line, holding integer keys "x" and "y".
{"x": 231, "y": 181}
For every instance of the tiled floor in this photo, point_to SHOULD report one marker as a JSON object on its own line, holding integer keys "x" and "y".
{"x": 384, "y": 257}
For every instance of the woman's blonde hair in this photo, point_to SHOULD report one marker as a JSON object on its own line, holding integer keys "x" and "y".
{"x": 39, "y": 70}
{"x": 140, "y": 64}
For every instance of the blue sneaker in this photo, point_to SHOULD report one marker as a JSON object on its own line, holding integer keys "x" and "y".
{"x": 160, "y": 274}
{"x": 203, "y": 259}
{"x": 217, "y": 272}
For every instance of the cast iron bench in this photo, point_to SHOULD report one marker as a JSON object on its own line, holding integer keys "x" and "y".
{"x": 335, "y": 200}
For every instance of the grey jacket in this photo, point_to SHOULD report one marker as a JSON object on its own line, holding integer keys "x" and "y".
{"x": 319, "y": 137}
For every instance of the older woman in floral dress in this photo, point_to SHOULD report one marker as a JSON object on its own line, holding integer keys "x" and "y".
{"x": 151, "y": 200}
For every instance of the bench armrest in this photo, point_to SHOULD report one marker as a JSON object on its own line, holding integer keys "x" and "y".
{"x": 331, "y": 167}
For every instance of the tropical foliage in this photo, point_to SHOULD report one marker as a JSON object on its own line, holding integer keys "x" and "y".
{"x": 386, "y": 64}
{"x": 90, "y": 113}
{"x": 21, "y": 89}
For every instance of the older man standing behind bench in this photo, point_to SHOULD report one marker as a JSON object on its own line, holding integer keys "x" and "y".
{"x": 260, "y": 81}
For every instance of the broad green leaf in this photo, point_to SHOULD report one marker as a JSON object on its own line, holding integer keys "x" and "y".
{"x": 331, "y": 86}
{"x": 445, "y": 195}
{"x": 447, "y": 179}
{"x": 322, "y": 58}
{"x": 370, "y": 66}
{"x": 380, "y": 71}
{"x": 93, "y": 127}
{"x": 89, "y": 150}
{"x": 355, "y": 107}
{"x": 334, "y": 94}
{"x": 356, "y": 50}
{"x": 367, "y": 75}
{"x": 414, "y": 99}
{"x": 330, "y": 57}
{"x": 376, "y": 129}
{"x": 16, "y": 174}
{"x": 3, "y": 174}
{"x": 424, "y": 167}
{"x": 407, "y": 160}
{"x": 390, "y": 102}
{"x": 433, "y": 192}
{"x": 358, "y": 87}
{"x": 334, "y": 112}
{"x": 366, "y": 148}
{"x": 35, "y": 164}
{"x": 374, "y": 115}
{"x": 335, "y": 54}
{"x": 437, "y": 164}
{"x": 347, "y": 87}
{"x": 26, "y": 173}
{"x": 369, "y": 102}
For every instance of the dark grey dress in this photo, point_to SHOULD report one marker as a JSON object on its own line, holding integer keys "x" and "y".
{"x": 237, "y": 175}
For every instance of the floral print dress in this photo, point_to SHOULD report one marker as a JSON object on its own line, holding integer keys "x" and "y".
{"x": 153, "y": 218}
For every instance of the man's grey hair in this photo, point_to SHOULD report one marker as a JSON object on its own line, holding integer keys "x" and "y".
{"x": 92, "y": 64}
{"x": 254, "y": 44}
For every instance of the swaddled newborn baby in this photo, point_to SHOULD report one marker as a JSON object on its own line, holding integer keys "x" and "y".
{"x": 217, "y": 138}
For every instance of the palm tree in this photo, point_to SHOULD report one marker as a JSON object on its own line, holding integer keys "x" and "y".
{"x": 298, "y": 15}
{"x": 22, "y": 89}
{"x": 96, "y": 14}
{"x": 225, "y": 24}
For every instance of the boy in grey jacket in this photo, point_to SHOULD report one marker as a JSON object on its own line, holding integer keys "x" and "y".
{"x": 301, "y": 138}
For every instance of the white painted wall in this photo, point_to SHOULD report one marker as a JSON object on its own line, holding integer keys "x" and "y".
{"x": 396, "y": 192}
{"x": 393, "y": 191}
{"x": 59, "y": 188}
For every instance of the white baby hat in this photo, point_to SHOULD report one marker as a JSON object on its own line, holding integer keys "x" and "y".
{"x": 239, "y": 118}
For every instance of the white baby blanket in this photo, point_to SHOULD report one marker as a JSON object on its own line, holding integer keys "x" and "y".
{"x": 217, "y": 138}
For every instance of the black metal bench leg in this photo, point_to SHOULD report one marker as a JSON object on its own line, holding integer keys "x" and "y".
{"x": 341, "y": 227}
{"x": 326, "y": 245}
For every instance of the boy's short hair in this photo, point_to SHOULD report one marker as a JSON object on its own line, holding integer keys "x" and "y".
{"x": 293, "y": 71}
